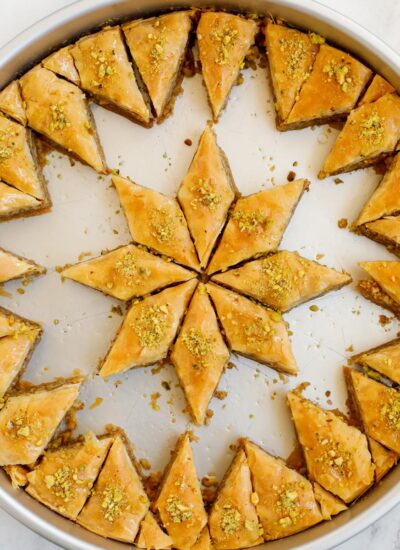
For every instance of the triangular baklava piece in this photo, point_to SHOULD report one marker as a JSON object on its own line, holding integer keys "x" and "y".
{"x": 156, "y": 221}
{"x": 14, "y": 267}
{"x": 284, "y": 499}
{"x": 384, "y": 359}
{"x": 199, "y": 354}
{"x": 58, "y": 110}
{"x": 378, "y": 407}
{"x": 336, "y": 454}
{"x": 28, "y": 420}
{"x": 127, "y": 272}
{"x": 329, "y": 504}
{"x": 107, "y": 74}
{"x": 63, "y": 479}
{"x": 158, "y": 47}
{"x": 257, "y": 224}
{"x": 383, "y": 458}
{"x": 14, "y": 203}
{"x": 11, "y": 324}
{"x": 371, "y": 132}
{"x": 180, "y": 503}
{"x": 332, "y": 89}
{"x": 151, "y": 536}
{"x": 233, "y": 520}
{"x": 224, "y": 40}
{"x": 385, "y": 231}
{"x": 204, "y": 541}
{"x": 291, "y": 55}
{"x": 283, "y": 280}
{"x": 378, "y": 88}
{"x": 62, "y": 63}
{"x": 384, "y": 288}
{"x": 253, "y": 330}
{"x": 11, "y": 102}
{"x": 206, "y": 194}
{"x": 118, "y": 501}
{"x": 148, "y": 330}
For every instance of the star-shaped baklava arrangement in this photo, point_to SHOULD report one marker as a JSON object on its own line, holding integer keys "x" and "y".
{"x": 203, "y": 276}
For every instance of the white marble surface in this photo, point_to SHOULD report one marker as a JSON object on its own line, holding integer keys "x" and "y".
{"x": 381, "y": 17}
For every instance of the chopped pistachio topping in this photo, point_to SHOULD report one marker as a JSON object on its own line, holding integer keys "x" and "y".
{"x": 162, "y": 225}
{"x": 372, "y": 129}
{"x": 390, "y": 411}
{"x": 295, "y": 51}
{"x": 113, "y": 503}
{"x": 177, "y": 510}
{"x": 132, "y": 273}
{"x": 64, "y": 482}
{"x": 316, "y": 38}
{"x": 104, "y": 65}
{"x": 151, "y": 325}
{"x": 158, "y": 42}
{"x": 287, "y": 503}
{"x": 230, "y": 520}
{"x": 333, "y": 456}
{"x": 58, "y": 118}
{"x": 224, "y": 39}
{"x": 250, "y": 221}
{"x": 341, "y": 73}
{"x": 206, "y": 195}
{"x": 7, "y": 143}
{"x": 279, "y": 279}
{"x": 199, "y": 344}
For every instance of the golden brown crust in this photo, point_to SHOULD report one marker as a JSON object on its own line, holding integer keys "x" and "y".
{"x": 385, "y": 231}
{"x": 384, "y": 289}
{"x": 329, "y": 504}
{"x": 374, "y": 293}
{"x": 383, "y": 458}
{"x": 11, "y": 102}
{"x": 151, "y": 536}
{"x": 377, "y": 88}
{"x": 384, "y": 359}
{"x": 14, "y": 203}
{"x": 13, "y": 266}
{"x": 62, "y": 63}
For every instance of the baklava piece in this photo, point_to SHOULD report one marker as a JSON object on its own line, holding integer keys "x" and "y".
{"x": 14, "y": 267}
{"x": 127, "y": 272}
{"x": 18, "y": 475}
{"x": 257, "y": 224}
{"x": 371, "y": 133}
{"x": 336, "y": 454}
{"x": 180, "y": 503}
{"x": 64, "y": 477}
{"x": 59, "y": 111}
{"x": 384, "y": 359}
{"x": 378, "y": 88}
{"x": 62, "y": 64}
{"x": 233, "y": 519}
{"x": 224, "y": 41}
{"x": 253, "y": 330}
{"x": 384, "y": 288}
{"x": 29, "y": 420}
{"x": 284, "y": 499}
{"x": 14, "y": 203}
{"x": 383, "y": 458}
{"x": 11, "y": 103}
{"x": 329, "y": 504}
{"x": 331, "y": 91}
{"x": 284, "y": 280}
{"x": 385, "y": 231}
{"x": 118, "y": 501}
{"x": 148, "y": 330}
{"x": 199, "y": 354}
{"x": 204, "y": 541}
{"x": 151, "y": 536}
{"x": 107, "y": 74}
{"x": 158, "y": 47}
{"x": 156, "y": 221}
{"x": 206, "y": 194}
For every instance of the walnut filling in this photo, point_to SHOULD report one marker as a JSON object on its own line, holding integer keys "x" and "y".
{"x": 177, "y": 510}
{"x": 251, "y": 221}
{"x": 151, "y": 325}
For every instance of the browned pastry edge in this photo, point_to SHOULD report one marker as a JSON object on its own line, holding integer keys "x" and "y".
{"x": 392, "y": 247}
{"x": 372, "y": 291}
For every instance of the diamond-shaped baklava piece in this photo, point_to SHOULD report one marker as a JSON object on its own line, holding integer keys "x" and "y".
{"x": 283, "y": 280}
{"x": 148, "y": 330}
{"x": 253, "y": 330}
{"x": 378, "y": 407}
{"x": 11, "y": 102}
{"x": 204, "y": 541}
{"x": 383, "y": 458}
{"x": 206, "y": 194}
{"x": 336, "y": 454}
{"x": 199, "y": 354}
{"x": 384, "y": 359}
{"x": 107, "y": 74}
{"x": 158, "y": 47}
{"x": 118, "y": 501}
{"x": 156, "y": 221}
{"x": 14, "y": 267}
{"x": 180, "y": 503}
{"x": 224, "y": 40}
{"x": 332, "y": 89}
{"x": 151, "y": 536}
{"x": 384, "y": 288}
{"x": 284, "y": 499}
{"x": 58, "y": 110}
{"x": 62, "y": 63}
{"x": 329, "y": 504}
{"x": 65, "y": 476}
{"x": 291, "y": 55}
{"x": 378, "y": 88}
{"x": 127, "y": 272}
{"x": 257, "y": 224}
{"x": 385, "y": 231}
{"x": 29, "y": 420}
{"x": 371, "y": 132}
{"x": 233, "y": 520}
{"x": 14, "y": 203}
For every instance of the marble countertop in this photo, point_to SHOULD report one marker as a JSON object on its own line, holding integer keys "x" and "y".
{"x": 379, "y": 17}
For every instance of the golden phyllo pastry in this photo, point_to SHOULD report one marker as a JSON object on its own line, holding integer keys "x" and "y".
{"x": 257, "y": 224}
{"x": 64, "y": 477}
{"x": 329, "y": 504}
{"x": 253, "y": 330}
{"x": 283, "y": 280}
{"x": 156, "y": 221}
{"x": 204, "y": 541}
{"x": 179, "y": 503}
{"x": 107, "y": 74}
{"x": 284, "y": 499}
{"x": 384, "y": 359}
{"x": 17, "y": 475}
{"x": 11, "y": 102}
{"x": 206, "y": 194}
{"x": 15, "y": 203}
{"x": 378, "y": 88}
{"x": 127, "y": 272}
{"x": 118, "y": 502}
{"x": 29, "y": 420}
{"x": 151, "y": 536}
{"x": 336, "y": 454}
{"x": 62, "y": 63}
{"x": 371, "y": 132}
{"x": 148, "y": 330}
{"x": 385, "y": 231}
{"x": 233, "y": 520}
{"x": 332, "y": 89}
{"x": 158, "y": 47}
{"x": 14, "y": 267}
{"x": 383, "y": 458}
{"x": 58, "y": 110}
{"x": 224, "y": 40}
{"x": 199, "y": 354}
{"x": 384, "y": 288}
